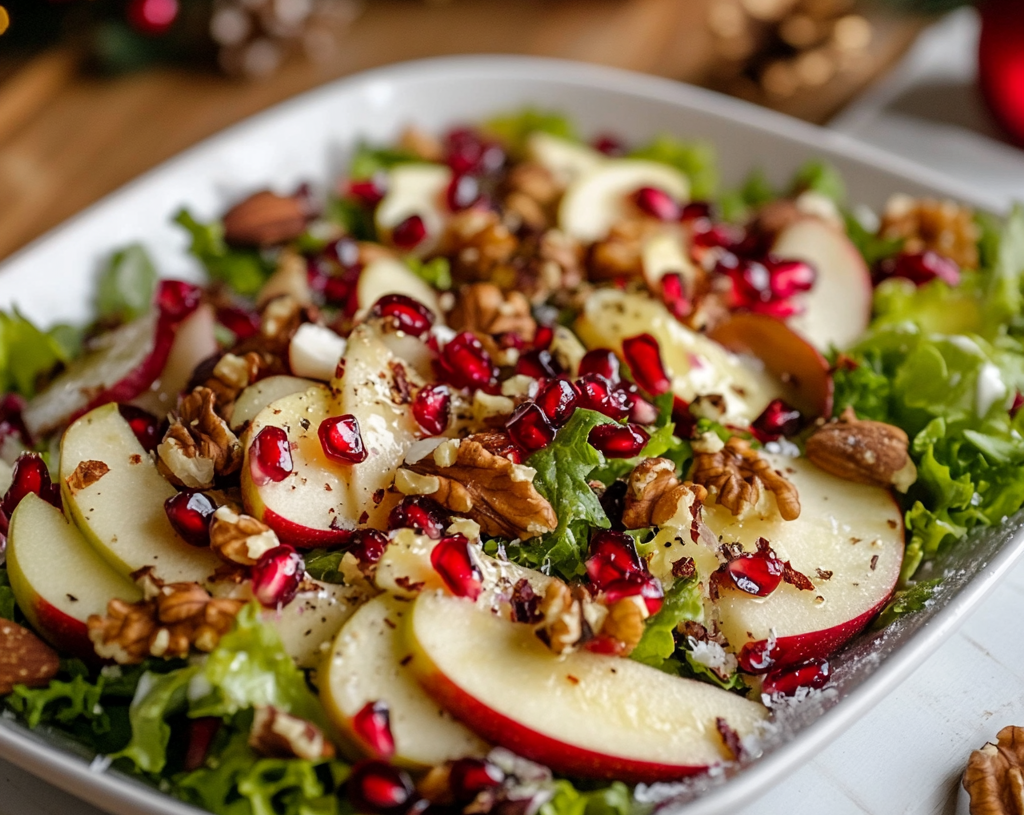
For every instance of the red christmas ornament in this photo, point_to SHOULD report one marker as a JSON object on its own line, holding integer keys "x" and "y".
{"x": 152, "y": 17}
{"x": 1001, "y": 62}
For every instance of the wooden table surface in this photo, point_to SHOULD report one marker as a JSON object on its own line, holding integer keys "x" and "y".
{"x": 67, "y": 138}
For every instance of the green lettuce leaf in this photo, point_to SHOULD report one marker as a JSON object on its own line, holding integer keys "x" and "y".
{"x": 7, "y": 601}
{"x": 907, "y": 601}
{"x": 243, "y": 270}
{"x": 611, "y": 800}
{"x": 871, "y": 247}
{"x": 820, "y": 177}
{"x": 514, "y": 128}
{"x": 757, "y": 190}
{"x": 698, "y": 161}
{"x": 355, "y": 219}
{"x": 436, "y": 272}
{"x": 126, "y": 285}
{"x": 157, "y": 698}
{"x": 324, "y": 565}
{"x": 368, "y": 160}
{"x": 683, "y": 601}
{"x": 26, "y": 353}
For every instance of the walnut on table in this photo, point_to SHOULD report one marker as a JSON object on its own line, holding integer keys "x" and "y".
{"x": 994, "y": 777}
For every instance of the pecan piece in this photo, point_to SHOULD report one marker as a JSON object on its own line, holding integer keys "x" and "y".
{"x": 486, "y": 311}
{"x": 737, "y": 474}
{"x": 276, "y": 734}
{"x": 24, "y": 658}
{"x": 198, "y": 445}
{"x": 490, "y": 489}
{"x": 265, "y": 219}
{"x": 994, "y": 777}
{"x": 863, "y": 451}
{"x": 654, "y": 496}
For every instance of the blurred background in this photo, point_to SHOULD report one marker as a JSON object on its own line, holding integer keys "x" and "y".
{"x": 94, "y": 92}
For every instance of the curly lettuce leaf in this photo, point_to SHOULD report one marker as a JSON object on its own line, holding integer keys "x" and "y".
{"x": 243, "y": 270}
{"x": 736, "y": 205}
{"x": 821, "y": 177}
{"x": 698, "y": 161}
{"x": 126, "y": 285}
{"x": 683, "y": 601}
{"x": 871, "y": 246}
{"x": 27, "y": 353}
{"x": 513, "y": 129}
{"x": 324, "y": 565}
{"x": 614, "y": 799}
{"x": 436, "y": 272}
{"x": 157, "y": 698}
{"x": 369, "y": 159}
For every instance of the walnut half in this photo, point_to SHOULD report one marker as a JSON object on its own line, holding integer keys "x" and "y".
{"x": 737, "y": 474}
{"x": 654, "y": 496}
{"x": 994, "y": 777}
{"x": 199, "y": 445}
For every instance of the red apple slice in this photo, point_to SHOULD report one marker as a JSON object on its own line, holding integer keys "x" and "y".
{"x": 308, "y": 623}
{"x": 260, "y": 394}
{"x": 369, "y": 663}
{"x": 119, "y": 366}
{"x": 115, "y": 494}
{"x": 793, "y": 360}
{"x": 59, "y": 601}
{"x": 838, "y": 308}
{"x": 586, "y": 715}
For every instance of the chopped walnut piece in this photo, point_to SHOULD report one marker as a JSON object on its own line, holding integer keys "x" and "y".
{"x": 737, "y": 474}
{"x": 86, "y": 474}
{"x": 171, "y": 619}
{"x": 654, "y": 496}
{"x": 927, "y": 224}
{"x": 863, "y": 451}
{"x": 198, "y": 445}
{"x": 621, "y": 253}
{"x": 490, "y": 489}
{"x": 568, "y": 618}
{"x": 280, "y": 318}
{"x": 561, "y": 259}
{"x": 276, "y": 734}
{"x": 994, "y": 777}
{"x": 486, "y": 311}
{"x": 240, "y": 538}
{"x": 625, "y": 623}
{"x": 228, "y": 375}
{"x": 421, "y": 144}
{"x": 479, "y": 243}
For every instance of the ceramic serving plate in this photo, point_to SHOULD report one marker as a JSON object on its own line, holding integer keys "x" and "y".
{"x": 310, "y": 138}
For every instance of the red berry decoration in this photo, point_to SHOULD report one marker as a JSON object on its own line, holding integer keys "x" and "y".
{"x": 177, "y": 299}
{"x": 270, "y": 456}
{"x": 432, "y": 409}
{"x": 777, "y": 420}
{"x": 467, "y": 151}
{"x": 452, "y": 560}
{"x": 277, "y": 575}
{"x": 530, "y": 428}
{"x": 919, "y": 268}
{"x": 368, "y": 546}
{"x": 201, "y": 733}
{"x": 758, "y": 573}
{"x": 144, "y": 425}
{"x": 422, "y": 514}
{"x": 1001, "y": 63}
{"x": 375, "y": 787}
{"x": 465, "y": 364}
{"x": 341, "y": 440}
{"x": 814, "y": 673}
{"x": 372, "y": 723}
{"x": 558, "y": 400}
{"x": 612, "y": 557}
{"x": 468, "y": 777}
{"x": 538, "y": 363}
{"x": 657, "y": 203}
{"x": 152, "y": 17}
{"x": 643, "y": 355}
{"x": 756, "y": 657}
{"x": 602, "y": 362}
{"x": 368, "y": 191}
{"x": 673, "y": 295}
{"x": 619, "y": 440}
{"x": 239, "y": 321}
{"x": 462, "y": 193}
{"x": 609, "y": 145}
{"x": 596, "y": 393}
{"x": 410, "y": 315}
{"x": 410, "y": 233}
{"x": 30, "y": 475}
{"x": 788, "y": 278}
{"x": 191, "y": 513}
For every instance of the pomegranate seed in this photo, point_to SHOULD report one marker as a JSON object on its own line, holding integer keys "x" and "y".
{"x": 751, "y": 282}
{"x": 619, "y": 440}
{"x": 410, "y": 315}
{"x": 529, "y": 427}
{"x": 758, "y": 573}
{"x": 604, "y": 644}
{"x": 1018, "y": 403}
{"x": 673, "y": 295}
{"x": 462, "y": 193}
{"x": 776, "y": 420}
{"x": 644, "y": 359}
{"x": 372, "y": 725}
{"x": 452, "y": 561}
{"x": 144, "y": 425}
{"x": 341, "y": 440}
{"x": 756, "y": 657}
{"x": 542, "y": 339}
{"x": 646, "y": 587}
{"x": 270, "y": 456}
{"x": 790, "y": 277}
{"x": 277, "y": 575}
{"x": 602, "y": 362}
{"x": 201, "y": 733}
{"x": 432, "y": 408}
{"x": 409, "y": 233}
{"x": 12, "y": 406}
{"x": 368, "y": 191}
{"x": 538, "y": 363}
{"x": 239, "y": 321}
{"x": 657, "y": 203}
{"x": 468, "y": 152}
{"x": 612, "y": 557}
{"x": 919, "y": 268}
{"x": 466, "y": 364}
{"x": 177, "y": 299}
{"x": 30, "y": 475}
{"x": 368, "y": 545}
{"x": 613, "y": 502}
{"x": 596, "y": 394}
{"x": 468, "y": 777}
{"x": 558, "y": 400}
{"x": 191, "y": 513}
{"x": 375, "y": 787}
{"x": 420, "y": 513}
{"x": 696, "y": 209}
{"x": 787, "y": 681}
{"x": 609, "y": 145}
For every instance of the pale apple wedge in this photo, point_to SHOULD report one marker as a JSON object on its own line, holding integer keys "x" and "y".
{"x": 848, "y": 541}
{"x": 565, "y": 160}
{"x": 695, "y": 364}
{"x": 415, "y": 189}
{"x": 837, "y": 309}
{"x": 309, "y": 623}
{"x": 392, "y": 276}
{"x": 260, "y": 394}
{"x": 59, "y": 601}
{"x": 582, "y": 714}
{"x": 369, "y": 663}
{"x": 599, "y": 199}
{"x": 120, "y": 509}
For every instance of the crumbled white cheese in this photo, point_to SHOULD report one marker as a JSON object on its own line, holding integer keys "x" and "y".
{"x": 990, "y": 388}
{"x": 315, "y": 352}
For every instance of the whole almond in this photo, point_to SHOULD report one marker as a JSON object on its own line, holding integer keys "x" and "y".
{"x": 265, "y": 219}
{"x": 865, "y": 452}
{"x": 24, "y": 658}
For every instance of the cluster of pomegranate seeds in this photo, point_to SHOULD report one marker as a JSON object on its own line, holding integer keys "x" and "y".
{"x": 619, "y": 440}
{"x": 190, "y": 513}
{"x": 463, "y": 192}
{"x": 201, "y": 733}
{"x": 270, "y": 456}
{"x": 814, "y": 673}
{"x": 778, "y": 419}
{"x": 408, "y": 314}
{"x": 422, "y": 514}
{"x": 919, "y": 268}
{"x": 368, "y": 546}
{"x": 758, "y": 573}
{"x": 144, "y": 425}
{"x": 277, "y": 575}
{"x": 465, "y": 363}
{"x": 410, "y": 233}
{"x": 673, "y": 295}
{"x": 30, "y": 475}
{"x": 657, "y": 203}
{"x": 616, "y": 570}
{"x": 432, "y": 408}
{"x": 468, "y": 152}
{"x": 372, "y": 724}
{"x": 767, "y": 286}
{"x": 558, "y": 400}
{"x": 176, "y": 299}
{"x": 538, "y": 363}
{"x": 452, "y": 560}
{"x": 368, "y": 191}
{"x": 334, "y": 272}
{"x": 530, "y": 428}
{"x": 341, "y": 440}
{"x": 375, "y": 787}
{"x": 598, "y": 393}
{"x": 644, "y": 359}
{"x": 468, "y": 777}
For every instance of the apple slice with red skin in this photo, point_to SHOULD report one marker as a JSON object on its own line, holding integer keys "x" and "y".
{"x": 848, "y": 541}
{"x": 368, "y": 664}
{"x": 583, "y": 714}
{"x": 121, "y": 364}
{"x": 836, "y": 311}
{"x": 58, "y": 601}
{"x": 789, "y": 357}
{"x": 260, "y": 394}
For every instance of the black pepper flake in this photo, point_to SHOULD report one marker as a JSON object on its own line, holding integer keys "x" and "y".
{"x": 874, "y": 562}
{"x": 305, "y": 423}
